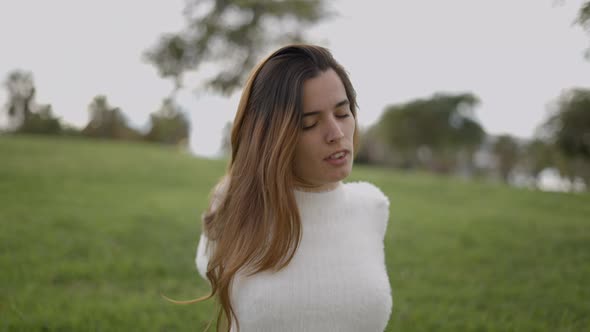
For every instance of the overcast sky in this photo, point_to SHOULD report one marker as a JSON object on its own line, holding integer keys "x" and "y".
{"x": 515, "y": 55}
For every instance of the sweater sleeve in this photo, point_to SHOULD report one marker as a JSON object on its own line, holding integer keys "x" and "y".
{"x": 202, "y": 255}
{"x": 382, "y": 210}
{"x": 378, "y": 202}
{"x": 202, "y": 259}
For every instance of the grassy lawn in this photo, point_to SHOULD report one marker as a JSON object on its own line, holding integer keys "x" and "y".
{"x": 92, "y": 232}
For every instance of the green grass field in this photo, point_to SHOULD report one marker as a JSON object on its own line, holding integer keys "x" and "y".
{"x": 91, "y": 232}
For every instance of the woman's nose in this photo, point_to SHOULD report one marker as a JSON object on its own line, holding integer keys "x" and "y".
{"x": 333, "y": 131}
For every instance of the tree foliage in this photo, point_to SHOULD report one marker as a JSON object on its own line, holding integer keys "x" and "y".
{"x": 506, "y": 150}
{"x": 231, "y": 34}
{"x": 583, "y": 18}
{"x": 569, "y": 125}
{"x": 24, "y": 114}
{"x": 538, "y": 155}
{"x": 41, "y": 121}
{"x": 169, "y": 125}
{"x": 21, "y": 91}
{"x": 432, "y": 129}
{"x": 568, "y": 129}
{"x": 108, "y": 122}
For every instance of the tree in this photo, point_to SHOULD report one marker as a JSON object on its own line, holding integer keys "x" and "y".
{"x": 232, "y": 34}
{"x": 538, "y": 155}
{"x": 169, "y": 125}
{"x": 371, "y": 149}
{"x": 21, "y": 91}
{"x": 584, "y": 15}
{"x": 583, "y": 20}
{"x": 568, "y": 128}
{"x": 506, "y": 150}
{"x": 108, "y": 122}
{"x": 24, "y": 114}
{"x": 41, "y": 122}
{"x": 569, "y": 125}
{"x": 432, "y": 131}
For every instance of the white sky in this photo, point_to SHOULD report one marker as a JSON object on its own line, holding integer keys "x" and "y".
{"x": 516, "y": 55}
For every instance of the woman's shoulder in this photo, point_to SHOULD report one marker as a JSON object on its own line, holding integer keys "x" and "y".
{"x": 373, "y": 203}
{"x": 366, "y": 190}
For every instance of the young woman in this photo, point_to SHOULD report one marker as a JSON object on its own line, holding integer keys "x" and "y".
{"x": 285, "y": 245}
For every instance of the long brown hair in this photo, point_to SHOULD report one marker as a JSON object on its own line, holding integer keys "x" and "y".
{"x": 254, "y": 222}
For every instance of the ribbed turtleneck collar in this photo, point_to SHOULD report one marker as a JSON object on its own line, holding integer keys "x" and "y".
{"x": 319, "y": 199}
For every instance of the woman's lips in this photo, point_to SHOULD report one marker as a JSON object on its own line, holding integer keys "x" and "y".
{"x": 338, "y": 158}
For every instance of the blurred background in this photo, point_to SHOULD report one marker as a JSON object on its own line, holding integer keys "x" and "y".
{"x": 480, "y": 88}
{"x": 114, "y": 124}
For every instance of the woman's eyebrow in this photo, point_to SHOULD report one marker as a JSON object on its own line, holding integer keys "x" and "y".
{"x": 338, "y": 104}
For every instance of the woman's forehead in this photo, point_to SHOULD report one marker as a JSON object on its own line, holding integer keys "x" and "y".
{"x": 323, "y": 92}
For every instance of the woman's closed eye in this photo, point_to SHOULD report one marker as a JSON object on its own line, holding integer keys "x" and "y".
{"x": 310, "y": 126}
{"x": 340, "y": 116}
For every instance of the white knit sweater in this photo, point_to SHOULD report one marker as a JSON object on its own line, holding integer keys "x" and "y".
{"x": 336, "y": 281}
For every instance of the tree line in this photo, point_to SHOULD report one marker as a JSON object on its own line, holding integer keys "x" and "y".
{"x": 168, "y": 125}
{"x": 441, "y": 134}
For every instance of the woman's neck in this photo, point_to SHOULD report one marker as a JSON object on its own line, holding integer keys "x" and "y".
{"x": 321, "y": 188}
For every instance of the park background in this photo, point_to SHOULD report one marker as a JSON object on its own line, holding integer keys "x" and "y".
{"x": 475, "y": 122}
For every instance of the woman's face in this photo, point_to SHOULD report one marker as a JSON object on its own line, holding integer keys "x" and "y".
{"x": 324, "y": 152}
